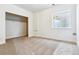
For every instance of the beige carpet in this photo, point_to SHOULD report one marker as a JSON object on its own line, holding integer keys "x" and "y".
{"x": 37, "y": 46}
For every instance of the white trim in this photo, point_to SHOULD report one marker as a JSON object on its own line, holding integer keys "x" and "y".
{"x": 3, "y": 42}
{"x": 77, "y": 24}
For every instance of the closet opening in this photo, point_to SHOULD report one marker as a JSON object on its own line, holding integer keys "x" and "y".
{"x": 16, "y": 26}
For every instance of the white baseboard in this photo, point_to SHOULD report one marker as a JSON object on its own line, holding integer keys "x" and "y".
{"x": 2, "y": 42}
{"x": 72, "y": 42}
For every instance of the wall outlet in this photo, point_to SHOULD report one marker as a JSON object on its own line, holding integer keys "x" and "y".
{"x": 74, "y": 33}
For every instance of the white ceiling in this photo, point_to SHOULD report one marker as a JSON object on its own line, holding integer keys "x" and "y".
{"x": 34, "y": 7}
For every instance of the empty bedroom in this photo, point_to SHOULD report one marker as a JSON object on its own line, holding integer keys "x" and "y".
{"x": 39, "y": 29}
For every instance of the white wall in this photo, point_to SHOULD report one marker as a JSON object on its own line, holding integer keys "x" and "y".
{"x": 16, "y": 10}
{"x": 77, "y": 24}
{"x": 43, "y": 24}
{"x": 15, "y": 29}
{"x": 2, "y": 25}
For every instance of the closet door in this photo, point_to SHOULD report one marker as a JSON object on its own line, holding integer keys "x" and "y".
{"x": 16, "y": 26}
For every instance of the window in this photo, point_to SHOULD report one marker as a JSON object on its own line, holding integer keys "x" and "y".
{"x": 62, "y": 19}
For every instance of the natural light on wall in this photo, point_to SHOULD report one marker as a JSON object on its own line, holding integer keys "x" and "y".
{"x": 62, "y": 19}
